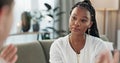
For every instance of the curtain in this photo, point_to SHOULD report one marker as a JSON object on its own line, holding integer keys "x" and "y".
{"x": 66, "y": 6}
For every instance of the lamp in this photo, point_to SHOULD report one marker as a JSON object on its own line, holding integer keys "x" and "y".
{"x": 105, "y": 5}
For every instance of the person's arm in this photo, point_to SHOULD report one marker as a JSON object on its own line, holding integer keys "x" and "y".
{"x": 8, "y": 55}
{"x": 105, "y": 57}
{"x": 104, "y": 54}
{"x": 55, "y": 56}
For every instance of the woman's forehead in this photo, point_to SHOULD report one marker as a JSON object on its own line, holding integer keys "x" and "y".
{"x": 80, "y": 11}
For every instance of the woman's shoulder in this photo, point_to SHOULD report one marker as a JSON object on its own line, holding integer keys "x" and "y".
{"x": 62, "y": 41}
{"x": 98, "y": 42}
{"x": 95, "y": 39}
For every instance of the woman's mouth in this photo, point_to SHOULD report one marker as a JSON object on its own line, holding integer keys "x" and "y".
{"x": 75, "y": 29}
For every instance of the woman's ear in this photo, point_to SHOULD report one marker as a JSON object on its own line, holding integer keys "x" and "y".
{"x": 91, "y": 23}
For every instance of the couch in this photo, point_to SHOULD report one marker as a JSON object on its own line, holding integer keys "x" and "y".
{"x": 34, "y": 52}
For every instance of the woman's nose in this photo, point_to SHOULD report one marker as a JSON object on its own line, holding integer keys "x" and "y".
{"x": 77, "y": 23}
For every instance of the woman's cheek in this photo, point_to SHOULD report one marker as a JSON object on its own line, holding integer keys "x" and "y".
{"x": 85, "y": 29}
{"x": 70, "y": 25}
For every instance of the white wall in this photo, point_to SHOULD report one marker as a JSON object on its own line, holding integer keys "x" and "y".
{"x": 20, "y": 6}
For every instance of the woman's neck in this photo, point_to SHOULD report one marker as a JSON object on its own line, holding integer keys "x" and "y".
{"x": 77, "y": 42}
{"x": 77, "y": 38}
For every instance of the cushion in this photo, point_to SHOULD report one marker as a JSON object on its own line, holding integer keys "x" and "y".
{"x": 30, "y": 53}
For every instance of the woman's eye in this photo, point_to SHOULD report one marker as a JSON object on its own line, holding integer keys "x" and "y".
{"x": 84, "y": 20}
{"x": 74, "y": 18}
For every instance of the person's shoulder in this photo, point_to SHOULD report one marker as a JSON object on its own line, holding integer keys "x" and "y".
{"x": 97, "y": 41}
{"x": 98, "y": 45}
{"x": 60, "y": 41}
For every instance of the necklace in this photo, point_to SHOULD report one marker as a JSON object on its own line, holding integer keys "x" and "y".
{"x": 74, "y": 44}
{"x": 77, "y": 53}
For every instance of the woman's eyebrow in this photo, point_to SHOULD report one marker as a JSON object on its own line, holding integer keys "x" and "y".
{"x": 85, "y": 17}
{"x": 74, "y": 14}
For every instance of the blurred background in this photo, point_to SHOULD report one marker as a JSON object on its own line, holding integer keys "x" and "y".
{"x": 39, "y": 20}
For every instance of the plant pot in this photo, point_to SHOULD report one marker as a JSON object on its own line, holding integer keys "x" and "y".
{"x": 36, "y": 27}
{"x": 25, "y": 28}
{"x": 45, "y": 36}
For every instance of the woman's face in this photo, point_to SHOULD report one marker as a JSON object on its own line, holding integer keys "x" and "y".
{"x": 6, "y": 18}
{"x": 79, "y": 21}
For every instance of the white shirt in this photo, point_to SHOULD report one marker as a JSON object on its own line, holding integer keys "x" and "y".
{"x": 62, "y": 52}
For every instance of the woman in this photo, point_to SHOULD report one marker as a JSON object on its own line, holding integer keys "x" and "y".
{"x": 8, "y": 55}
{"x": 83, "y": 44}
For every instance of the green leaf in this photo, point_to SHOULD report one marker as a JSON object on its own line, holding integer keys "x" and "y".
{"x": 55, "y": 9}
{"x": 48, "y": 6}
{"x": 50, "y": 15}
{"x": 60, "y": 13}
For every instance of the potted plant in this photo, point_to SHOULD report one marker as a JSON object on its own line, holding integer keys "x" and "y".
{"x": 55, "y": 14}
{"x": 36, "y": 18}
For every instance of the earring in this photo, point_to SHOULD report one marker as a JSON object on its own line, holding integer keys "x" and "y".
{"x": 89, "y": 31}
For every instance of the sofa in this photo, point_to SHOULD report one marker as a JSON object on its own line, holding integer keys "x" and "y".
{"x": 34, "y": 52}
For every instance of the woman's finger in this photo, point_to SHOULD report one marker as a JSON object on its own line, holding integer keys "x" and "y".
{"x": 8, "y": 52}
{"x": 100, "y": 58}
{"x": 13, "y": 59}
{"x": 103, "y": 57}
{"x": 116, "y": 56}
{"x": 11, "y": 54}
{"x": 5, "y": 51}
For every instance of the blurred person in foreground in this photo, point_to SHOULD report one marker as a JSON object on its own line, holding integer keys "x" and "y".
{"x": 7, "y": 55}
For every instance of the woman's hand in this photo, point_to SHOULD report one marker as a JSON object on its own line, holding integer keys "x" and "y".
{"x": 116, "y": 56}
{"x": 105, "y": 57}
{"x": 9, "y": 54}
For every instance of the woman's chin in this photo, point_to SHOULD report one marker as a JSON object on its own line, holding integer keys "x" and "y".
{"x": 76, "y": 32}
